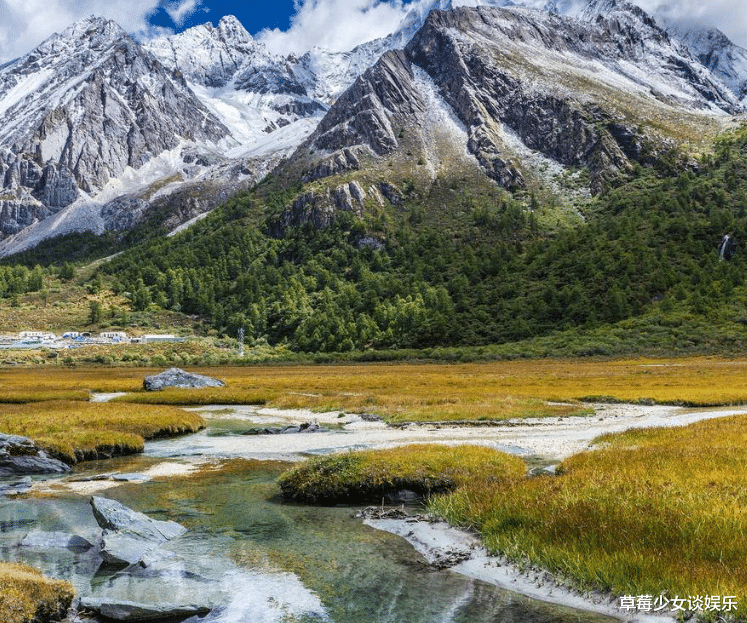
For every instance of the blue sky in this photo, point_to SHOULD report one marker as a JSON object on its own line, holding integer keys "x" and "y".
{"x": 255, "y": 15}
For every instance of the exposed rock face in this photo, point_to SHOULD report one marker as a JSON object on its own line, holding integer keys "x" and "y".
{"x": 84, "y": 113}
{"x": 368, "y": 112}
{"x": 20, "y": 456}
{"x": 320, "y": 210}
{"x": 717, "y": 53}
{"x": 81, "y": 108}
{"x": 339, "y": 162}
{"x": 176, "y": 377}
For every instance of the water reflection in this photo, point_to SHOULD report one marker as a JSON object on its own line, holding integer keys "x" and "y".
{"x": 257, "y": 559}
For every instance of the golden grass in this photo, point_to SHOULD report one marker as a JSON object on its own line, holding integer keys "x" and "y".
{"x": 651, "y": 512}
{"x": 26, "y": 596}
{"x": 370, "y": 474}
{"x": 75, "y": 431}
{"x": 400, "y": 392}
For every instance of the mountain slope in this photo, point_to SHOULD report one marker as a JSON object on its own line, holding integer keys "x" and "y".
{"x": 724, "y": 59}
{"x": 514, "y": 95}
{"x": 100, "y": 132}
{"x": 82, "y": 113}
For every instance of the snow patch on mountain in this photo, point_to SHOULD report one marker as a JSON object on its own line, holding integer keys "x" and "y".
{"x": 445, "y": 136}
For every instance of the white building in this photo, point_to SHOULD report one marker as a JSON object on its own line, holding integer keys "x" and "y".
{"x": 153, "y": 339}
{"x": 114, "y": 336}
{"x": 37, "y": 335}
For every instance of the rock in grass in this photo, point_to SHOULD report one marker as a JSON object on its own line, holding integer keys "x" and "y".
{"x": 132, "y": 611}
{"x": 176, "y": 377}
{"x": 20, "y": 456}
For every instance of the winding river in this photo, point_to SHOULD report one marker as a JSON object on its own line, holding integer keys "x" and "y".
{"x": 249, "y": 555}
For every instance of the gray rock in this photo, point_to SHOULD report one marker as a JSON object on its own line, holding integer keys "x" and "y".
{"x": 124, "y": 548}
{"x": 338, "y": 163}
{"x": 53, "y": 540}
{"x": 132, "y": 611}
{"x": 129, "y": 536}
{"x": 20, "y": 456}
{"x": 306, "y": 427}
{"x": 130, "y": 477}
{"x": 370, "y": 417}
{"x": 176, "y": 377}
{"x": 14, "y": 488}
{"x": 114, "y": 516}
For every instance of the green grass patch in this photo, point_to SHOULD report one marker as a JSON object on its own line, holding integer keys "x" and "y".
{"x": 75, "y": 431}
{"x": 369, "y": 475}
{"x": 26, "y": 596}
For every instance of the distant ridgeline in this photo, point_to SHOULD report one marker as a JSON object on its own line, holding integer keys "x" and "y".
{"x": 471, "y": 270}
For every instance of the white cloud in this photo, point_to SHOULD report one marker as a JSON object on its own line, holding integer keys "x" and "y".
{"x": 728, "y": 16}
{"x": 179, "y": 11}
{"x": 24, "y": 24}
{"x": 334, "y": 24}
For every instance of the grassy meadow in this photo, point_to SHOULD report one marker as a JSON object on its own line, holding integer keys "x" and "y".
{"x": 648, "y": 512}
{"x": 411, "y": 391}
{"x": 368, "y": 475}
{"x": 77, "y": 431}
{"x": 26, "y": 595}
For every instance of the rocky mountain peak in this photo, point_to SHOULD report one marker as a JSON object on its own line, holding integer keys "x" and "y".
{"x": 231, "y": 29}
{"x": 715, "y": 51}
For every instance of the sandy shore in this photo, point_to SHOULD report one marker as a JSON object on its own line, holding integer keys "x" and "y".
{"x": 434, "y": 541}
{"x": 553, "y": 438}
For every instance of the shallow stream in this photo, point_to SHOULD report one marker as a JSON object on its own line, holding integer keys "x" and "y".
{"x": 248, "y": 554}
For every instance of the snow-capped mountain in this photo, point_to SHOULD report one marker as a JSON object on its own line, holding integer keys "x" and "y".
{"x": 507, "y": 93}
{"x": 95, "y": 128}
{"x": 725, "y": 60}
{"x": 78, "y": 111}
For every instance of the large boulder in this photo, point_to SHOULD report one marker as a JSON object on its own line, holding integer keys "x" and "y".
{"x": 20, "y": 456}
{"x": 176, "y": 377}
{"x": 128, "y": 535}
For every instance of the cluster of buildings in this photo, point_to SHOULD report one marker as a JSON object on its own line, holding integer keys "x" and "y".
{"x": 74, "y": 339}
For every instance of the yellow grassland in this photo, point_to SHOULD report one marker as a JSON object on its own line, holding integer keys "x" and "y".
{"x": 26, "y": 596}
{"x": 74, "y": 431}
{"x": 416, "y": 391}
{"x": 651, "y": 512}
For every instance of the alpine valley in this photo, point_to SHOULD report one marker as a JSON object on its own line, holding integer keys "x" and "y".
{"x": 573, "y": 177}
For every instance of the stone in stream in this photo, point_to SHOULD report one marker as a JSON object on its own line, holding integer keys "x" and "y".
{"x": 306, "y": 427}
{"x": 54, "y": 540}
{"x": 20, "y": 456}
{"x": 128, "y": 535}
{"x": 176, "y": 377}
{"x": 16, "y": 487}
{"x": 132, "y": 611}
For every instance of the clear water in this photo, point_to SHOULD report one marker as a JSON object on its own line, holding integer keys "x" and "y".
{"x": 256, "y": 558}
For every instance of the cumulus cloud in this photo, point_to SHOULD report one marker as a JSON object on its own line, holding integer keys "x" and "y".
{"x": 24, "y": 24}
{"x": 726, "y": 15}
{"x": 334, "y": 24}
